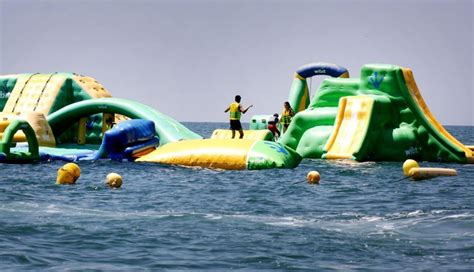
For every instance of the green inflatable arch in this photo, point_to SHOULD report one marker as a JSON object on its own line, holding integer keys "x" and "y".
{"x": 168, "y": 129}
{"x": 7, "y": 140}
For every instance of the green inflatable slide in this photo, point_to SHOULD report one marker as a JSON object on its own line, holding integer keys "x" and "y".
{"x": 380, "y": 116}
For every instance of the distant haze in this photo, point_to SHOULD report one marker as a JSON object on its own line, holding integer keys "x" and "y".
{"x": 188, "y": 59}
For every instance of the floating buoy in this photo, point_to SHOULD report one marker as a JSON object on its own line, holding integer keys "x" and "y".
{"x": 113, "y": 180}
{"x": 419, "y": 173}
{"x": 413, "y": 170}
{"x": 313, "y": 177}
{"x": 409, "y": 164}
{"x": 68, "y": 174}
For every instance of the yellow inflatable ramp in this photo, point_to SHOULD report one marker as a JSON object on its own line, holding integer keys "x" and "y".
{"x": 262, "y": 134}
{"x": 45, "y": 93}
{"x": 351, "y": 126}
{"x": 91, "y": 86}
{"x": 35, "y": 92}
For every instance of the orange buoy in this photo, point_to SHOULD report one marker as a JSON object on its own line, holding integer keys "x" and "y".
{"x": 313, "y": 177}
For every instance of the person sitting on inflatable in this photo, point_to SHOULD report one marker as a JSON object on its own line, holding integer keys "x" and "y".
{"x": 272, "y": 126}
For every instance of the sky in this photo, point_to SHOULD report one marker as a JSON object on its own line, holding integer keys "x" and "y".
{"x": 188, "y": 59}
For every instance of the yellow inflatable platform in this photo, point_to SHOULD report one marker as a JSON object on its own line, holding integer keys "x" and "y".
{"x": 231, "y": 154}
{"x": 248, "y": 134}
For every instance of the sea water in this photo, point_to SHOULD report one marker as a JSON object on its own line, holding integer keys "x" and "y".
{"x": 362, "y": 216}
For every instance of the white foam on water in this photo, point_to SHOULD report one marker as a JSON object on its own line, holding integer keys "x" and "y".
{"x": 74, "y": 211}
{"x": 20, "y": 206}
{"x": 371, "y": 218}
{"x": 415, "y": 213}
{"x": 457, "y": 216}
{"x": 213, "y": 216}
{"x": 438, "y": 211}
{"x": 52, "y": 209}
{"x": 286, "y": 221}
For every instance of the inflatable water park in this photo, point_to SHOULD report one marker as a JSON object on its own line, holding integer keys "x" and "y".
{"x": 380, "y": 116}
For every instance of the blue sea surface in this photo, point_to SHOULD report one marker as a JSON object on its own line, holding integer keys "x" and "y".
{"x": 362, "y": 216}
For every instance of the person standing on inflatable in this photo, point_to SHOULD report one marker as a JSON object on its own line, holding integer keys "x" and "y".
{"x": 286, "y": 116}
{"x": 235, "y": 111}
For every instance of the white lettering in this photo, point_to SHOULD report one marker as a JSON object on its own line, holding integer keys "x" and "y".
{"x": 320, "y": 71}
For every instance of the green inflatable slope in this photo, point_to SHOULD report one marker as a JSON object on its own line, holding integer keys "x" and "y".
{"x": 6, "y": 86}
{"x": 269, "y": 155}
{"x": 310, "y": 129}
{"x": 403, "y": 127}
{"x": 168, "y": 129}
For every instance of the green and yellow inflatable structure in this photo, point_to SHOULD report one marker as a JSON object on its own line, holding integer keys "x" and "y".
{"x": 63, "y": 115}
{"x": 380, "y": 116}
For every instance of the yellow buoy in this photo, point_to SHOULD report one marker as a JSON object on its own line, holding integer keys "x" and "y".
{"x": 313, "y": 177}
{"x": 418, "y": 173}
{"x": 68, "y": 174}
{"x": 409, "y": 164}
{"x": 113, "y": 180}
